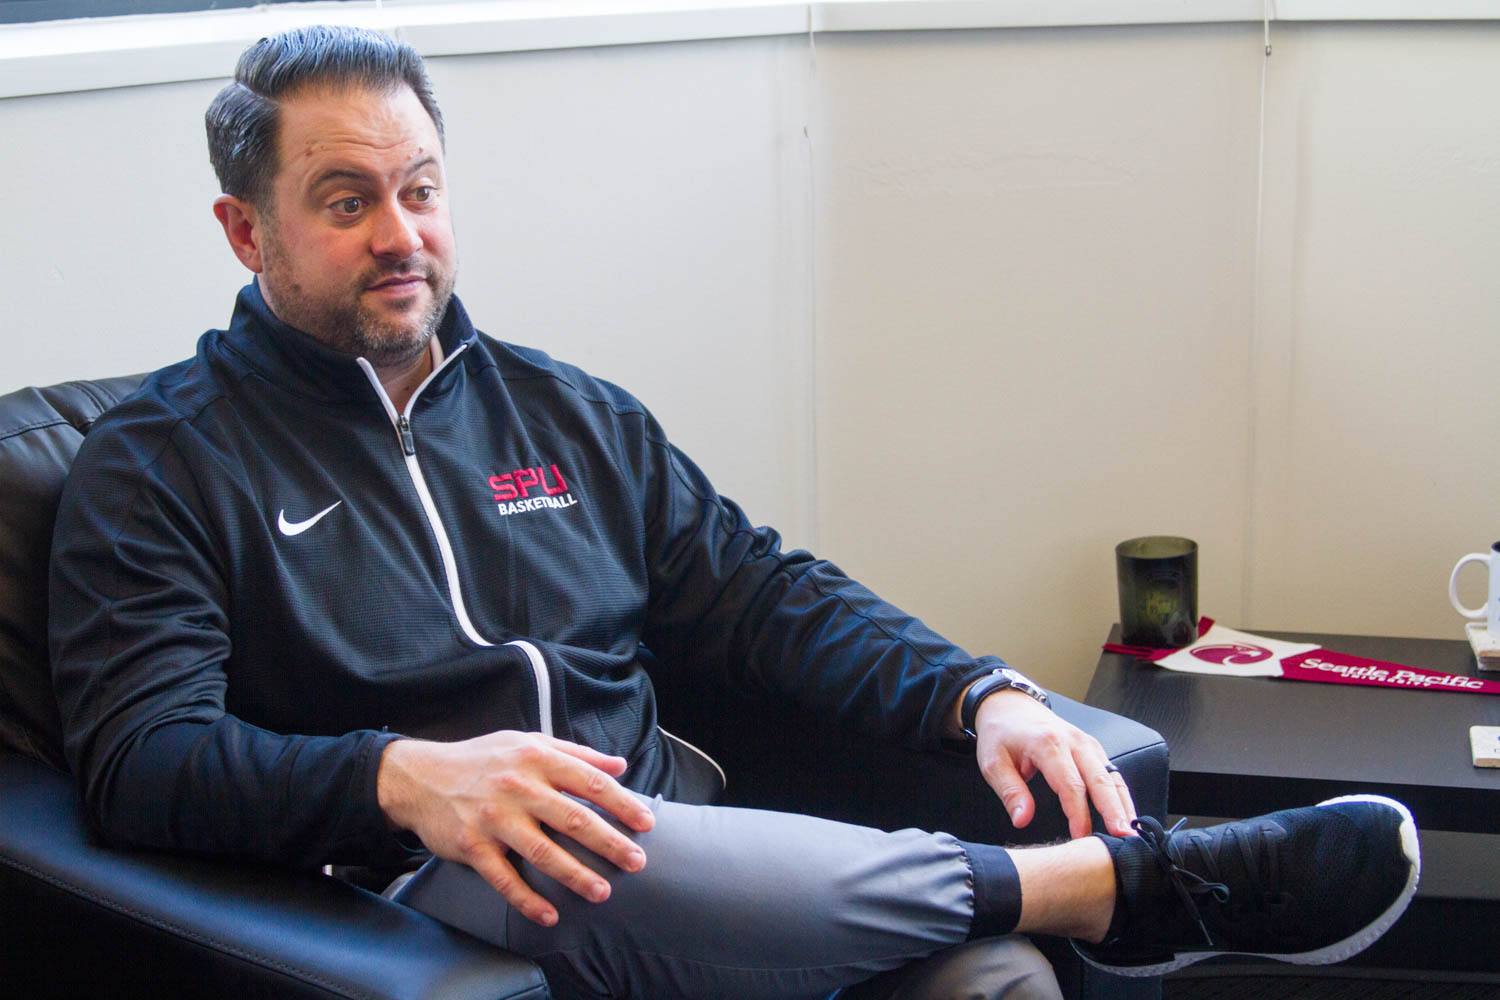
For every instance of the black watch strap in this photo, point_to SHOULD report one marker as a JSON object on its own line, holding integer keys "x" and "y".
{"x": 999, "y": 679}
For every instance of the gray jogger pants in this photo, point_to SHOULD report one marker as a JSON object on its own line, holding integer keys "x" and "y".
{"x": 739, "y": 904}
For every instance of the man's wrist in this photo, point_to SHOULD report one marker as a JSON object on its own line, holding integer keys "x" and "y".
{"x": 393, "y": 781}
{"x": 997, "y": 680}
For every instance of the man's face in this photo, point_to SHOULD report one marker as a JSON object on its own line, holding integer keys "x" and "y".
{"x": 356, "y": 246}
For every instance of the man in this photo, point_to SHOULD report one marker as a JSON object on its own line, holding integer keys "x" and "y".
{"x": 358, "y": 581}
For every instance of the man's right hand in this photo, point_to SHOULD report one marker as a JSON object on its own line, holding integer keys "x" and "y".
{"x": 472, "y": 801}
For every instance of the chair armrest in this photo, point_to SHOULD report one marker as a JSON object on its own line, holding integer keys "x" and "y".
{"x": 777, "y": 757}
{"x": 86, "y": 919}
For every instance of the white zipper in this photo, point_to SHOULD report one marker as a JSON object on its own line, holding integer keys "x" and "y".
{"x": 543, "y": 685}
{"x": 402, "y": 423}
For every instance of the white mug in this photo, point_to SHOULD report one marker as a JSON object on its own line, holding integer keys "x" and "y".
{"x": 1491, "y": 611}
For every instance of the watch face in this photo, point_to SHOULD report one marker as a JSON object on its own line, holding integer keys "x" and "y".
{"x": 1021, "y": 682}
{"x": 1000, "y": 679}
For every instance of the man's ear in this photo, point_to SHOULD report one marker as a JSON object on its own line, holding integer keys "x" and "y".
{"x": 241, "y": 224}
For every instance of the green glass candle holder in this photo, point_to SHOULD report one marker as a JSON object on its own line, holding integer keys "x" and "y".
{"x": 1158, "y": 578}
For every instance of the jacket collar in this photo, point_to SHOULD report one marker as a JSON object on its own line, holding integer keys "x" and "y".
{"x": 297, "y": 361}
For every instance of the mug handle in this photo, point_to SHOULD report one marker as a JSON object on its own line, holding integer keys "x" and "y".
{"x": 1479, "y": 612}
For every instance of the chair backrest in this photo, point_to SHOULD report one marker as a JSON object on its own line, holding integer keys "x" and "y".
{"x": 40, "y": 431}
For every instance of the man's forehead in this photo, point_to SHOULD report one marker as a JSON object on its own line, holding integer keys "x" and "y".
{"x": 326, "y": 121}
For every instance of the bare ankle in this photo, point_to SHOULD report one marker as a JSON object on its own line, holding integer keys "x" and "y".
{"x": 1067, "y": 889}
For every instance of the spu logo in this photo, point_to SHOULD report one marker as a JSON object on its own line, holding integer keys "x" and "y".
{"x": 538, "y": 487}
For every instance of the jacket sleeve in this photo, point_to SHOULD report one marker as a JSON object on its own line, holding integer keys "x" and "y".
{"x": 725, "y": 598}
{"x": 139, "y": 639}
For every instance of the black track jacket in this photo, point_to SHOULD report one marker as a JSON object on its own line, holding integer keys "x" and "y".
{"x": 262, "y": 573}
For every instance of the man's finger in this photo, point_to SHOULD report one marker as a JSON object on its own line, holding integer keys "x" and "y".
{"x": 1106, "y": 787}
{"x": 1113, "y": 800}
{"x": 489, "y": 861}
{"x": 1054, "y": 758}
{"x": 1001, "y": 774}
{"x": 608, "y": 763}
{"x": 575, "y": 819}
{"x": 578, "y": 778}
{"x": 578, "y": 772}
{"x": 1071, "y": 789}
{"x": 544, "y": 854}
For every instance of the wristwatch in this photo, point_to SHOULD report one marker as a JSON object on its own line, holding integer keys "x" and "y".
{"x": 998, "y": 679}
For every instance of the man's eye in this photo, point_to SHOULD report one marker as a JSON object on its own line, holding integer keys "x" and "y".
{"x": 346, "y": 206}
{"x": 423, "y": 193}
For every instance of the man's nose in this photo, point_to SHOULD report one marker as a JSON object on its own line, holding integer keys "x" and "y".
{"x": 396, "y": 234}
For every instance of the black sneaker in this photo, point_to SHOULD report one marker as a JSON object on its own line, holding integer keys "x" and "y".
{"x": 1310, "y": 886}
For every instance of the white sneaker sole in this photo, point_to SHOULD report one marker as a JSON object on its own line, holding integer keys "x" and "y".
{"x": 1336, "y": 952}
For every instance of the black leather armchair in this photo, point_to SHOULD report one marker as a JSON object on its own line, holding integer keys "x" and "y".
{"x": 82, "y": 918}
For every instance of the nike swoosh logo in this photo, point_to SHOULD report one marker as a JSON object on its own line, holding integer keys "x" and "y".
{"x": 290, "y": 528}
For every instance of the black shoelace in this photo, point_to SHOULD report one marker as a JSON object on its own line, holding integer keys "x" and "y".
{"x": 1186, "y": 884}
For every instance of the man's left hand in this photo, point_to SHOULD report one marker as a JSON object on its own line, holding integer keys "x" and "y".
{"x": 1018, "y": 736}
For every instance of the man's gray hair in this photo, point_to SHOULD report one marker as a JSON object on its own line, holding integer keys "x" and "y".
{"x": 243, "y": 119}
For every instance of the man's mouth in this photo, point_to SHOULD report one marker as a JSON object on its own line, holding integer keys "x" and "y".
{"x": 399, "y": 283}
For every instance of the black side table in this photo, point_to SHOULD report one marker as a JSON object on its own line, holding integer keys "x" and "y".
{"x": 1244, "y": 746}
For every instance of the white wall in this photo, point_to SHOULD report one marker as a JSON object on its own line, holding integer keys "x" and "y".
{"x": 1375, "y": 465}
{"x": 1035, "y": 258}
{"x": 997, "y": 308}
{"x": 112, "y": 260}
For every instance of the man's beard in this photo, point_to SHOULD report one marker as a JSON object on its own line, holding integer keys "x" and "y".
{"x": 354, "y": 329}
{"x": 350, "y": 327}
